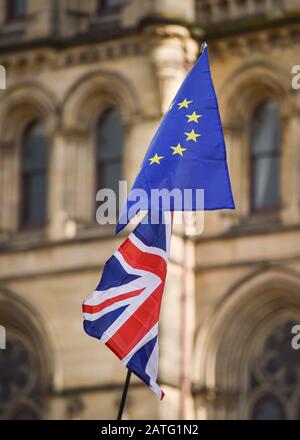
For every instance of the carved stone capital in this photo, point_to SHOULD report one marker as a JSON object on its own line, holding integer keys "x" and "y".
{"x": 172, "y": 50}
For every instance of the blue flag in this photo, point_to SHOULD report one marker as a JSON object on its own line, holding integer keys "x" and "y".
{"x": 188, "y": 150}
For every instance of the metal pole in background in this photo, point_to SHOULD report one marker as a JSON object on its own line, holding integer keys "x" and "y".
{"x": 124, "y": 395}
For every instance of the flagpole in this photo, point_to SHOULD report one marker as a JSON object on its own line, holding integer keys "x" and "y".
{"x": 124, "y": 395}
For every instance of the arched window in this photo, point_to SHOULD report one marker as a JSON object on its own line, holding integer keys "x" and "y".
{"x": 275, "y": 377}
{"x": 268, "y": 407}
{"x": 16, "y": 9}
{"x": 265, "y": 157}
{"x": 34, "y": 164}
{"x": 109, "y": 148}
{"x": 20, "y": 390}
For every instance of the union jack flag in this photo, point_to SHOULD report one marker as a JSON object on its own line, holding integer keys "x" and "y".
{"x": 123, "y": 311}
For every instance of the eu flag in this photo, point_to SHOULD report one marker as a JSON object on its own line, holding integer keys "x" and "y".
{"x": 188, "y": 150}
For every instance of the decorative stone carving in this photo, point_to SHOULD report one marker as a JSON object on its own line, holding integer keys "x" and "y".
{"x": 172, "y": 50}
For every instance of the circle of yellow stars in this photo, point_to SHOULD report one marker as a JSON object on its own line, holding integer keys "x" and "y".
{"x": 190, "y": 135}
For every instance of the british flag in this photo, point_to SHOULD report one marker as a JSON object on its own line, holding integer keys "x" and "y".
{"x": 123, "y": 312}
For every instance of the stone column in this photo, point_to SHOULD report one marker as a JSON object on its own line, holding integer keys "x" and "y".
{"x": 9, "y": 193}
{"x": 71, "y": 183}
{"x": 238, "y": 164}
{"x": 172, "y": 50}
{"x": 136, "y": 11}
{"x": 216, "y": 13}
{"x": 290, "y": 169}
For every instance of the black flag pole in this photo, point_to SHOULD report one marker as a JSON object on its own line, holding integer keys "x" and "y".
{"x": 124, "y": 395}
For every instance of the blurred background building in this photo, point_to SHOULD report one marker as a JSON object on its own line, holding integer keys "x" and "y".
{"x": 87, "y": 84}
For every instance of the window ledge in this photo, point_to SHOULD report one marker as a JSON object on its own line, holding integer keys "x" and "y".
{"x": 95, "y": 230}
{"x": 23, "y": 238}
{"x": 13, "y": 28}
{"x": 258, "y": 221}
{"x": 28, "y": 240}
{"x": 264, "y": 216}
{"x": 106, "y": 20}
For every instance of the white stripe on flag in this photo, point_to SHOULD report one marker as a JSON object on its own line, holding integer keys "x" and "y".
{"x": 149, "y": 249}
{"x": 152, "y": 371}
{"x": 151, "y": 282}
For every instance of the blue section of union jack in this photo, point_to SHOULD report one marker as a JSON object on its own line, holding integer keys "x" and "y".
{"x": 123, "y": 311}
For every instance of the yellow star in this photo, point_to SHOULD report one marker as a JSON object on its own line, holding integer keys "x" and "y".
{"x": 156, "y": 159}
{"x": 185, "y": 103}
{"x": 178, "y": 150}
{"x": 193, "y": 117}
{"x": 192, "y": 136}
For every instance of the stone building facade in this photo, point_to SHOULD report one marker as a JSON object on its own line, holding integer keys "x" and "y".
{"x": 78, "y": 71}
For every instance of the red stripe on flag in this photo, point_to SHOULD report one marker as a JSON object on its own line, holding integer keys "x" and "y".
{"x": 137, "y": 326}
{"x": 97, "y": 308}
{"x": 143, "y": 260}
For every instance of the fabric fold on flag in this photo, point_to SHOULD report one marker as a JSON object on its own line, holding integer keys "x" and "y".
{"x": 123, "y": 312}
